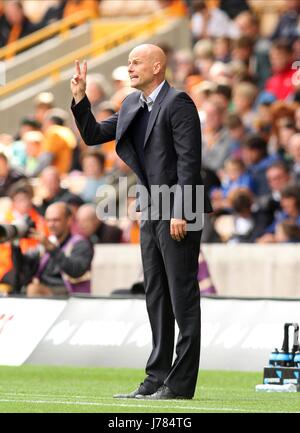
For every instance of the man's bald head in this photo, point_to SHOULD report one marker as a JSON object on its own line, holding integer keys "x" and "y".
{"x": 153, "y": 52}
{"x": 146, "y": 67}
{"x": 87, "y": 211}
{"x": 87, "y": 220}
{"x": 58, "y": 216}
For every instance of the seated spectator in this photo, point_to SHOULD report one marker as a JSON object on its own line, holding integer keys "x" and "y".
{"x": 63, "y": 265}
{"x": 235, "y": 176}
{"x": 244, "y": 96}
{"x": 15, "y": 24}
{"x": 242, "y": 225}
{"x": 17, "y": 153}
{"x": 8, "y": 175}
{"x": 58, "y": 145}
{"x": 280, "y": 84}
{"x": 242, "y": 51}
{"x": 52, "y": 191}
{"x": 93, "y": 174}
{"x": 221, "y": 95}
{"x": 256, "y": 158}
{"x": 282, "y": 112}
{"x": 21, "y": 195}
{"x": 216, "y": 140}
{"x": 268, "y": 205}
{"x": 290, "y": 204}
{"x": 247, "y": 23}
{"x": 210, "y": 22}
{"x": 97, "y": 231}
{"x": 286, "y": 130}
{"x": 288, "y": 24}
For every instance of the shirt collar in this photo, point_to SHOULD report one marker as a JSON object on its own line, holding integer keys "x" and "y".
{"x": 149, "y": 100}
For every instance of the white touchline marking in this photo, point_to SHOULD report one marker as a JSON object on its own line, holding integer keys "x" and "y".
{"x": 17, "y": 393}
{"x": 82, "y": 403}
{"x": 20, "y": 394}
{"x": 35, "y": 395}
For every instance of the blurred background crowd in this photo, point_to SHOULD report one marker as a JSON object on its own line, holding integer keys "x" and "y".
{"x": 241, "y": 72}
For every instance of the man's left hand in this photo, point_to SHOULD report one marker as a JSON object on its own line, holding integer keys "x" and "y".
{"x": 42, "y": 239}
{"x": 178, "y": 229}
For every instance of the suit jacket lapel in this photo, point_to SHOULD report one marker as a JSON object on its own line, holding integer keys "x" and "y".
{"x": 123, "y": 146}
{"x": 155, "y": 110}
{"x": 128, "y": 118}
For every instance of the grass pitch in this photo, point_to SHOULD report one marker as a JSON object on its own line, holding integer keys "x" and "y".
{"x": 70, "y": 389}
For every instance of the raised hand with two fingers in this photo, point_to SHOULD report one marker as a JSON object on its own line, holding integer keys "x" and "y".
{"x": 78, "y": 81}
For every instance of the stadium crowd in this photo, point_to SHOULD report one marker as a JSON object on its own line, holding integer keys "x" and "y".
{"x": 246, "y": 88}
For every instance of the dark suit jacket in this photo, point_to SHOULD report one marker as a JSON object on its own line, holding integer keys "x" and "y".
{"x": 172, "y": 145}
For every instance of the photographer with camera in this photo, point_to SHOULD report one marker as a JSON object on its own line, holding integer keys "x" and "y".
{"x": 14, "y": 231}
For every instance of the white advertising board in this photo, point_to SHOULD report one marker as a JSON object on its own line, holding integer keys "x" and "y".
{"x": 237, "y": 334}
{"x": 23, "y": 323}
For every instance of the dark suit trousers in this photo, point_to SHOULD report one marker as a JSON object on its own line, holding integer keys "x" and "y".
{"x": 172, "y": 293}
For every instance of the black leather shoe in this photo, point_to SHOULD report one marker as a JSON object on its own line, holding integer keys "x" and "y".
{"x": 163, "y": 393}
{"x": 141, "y": 390}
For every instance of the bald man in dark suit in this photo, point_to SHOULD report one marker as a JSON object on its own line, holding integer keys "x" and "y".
{"x": 157, "y": 133}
